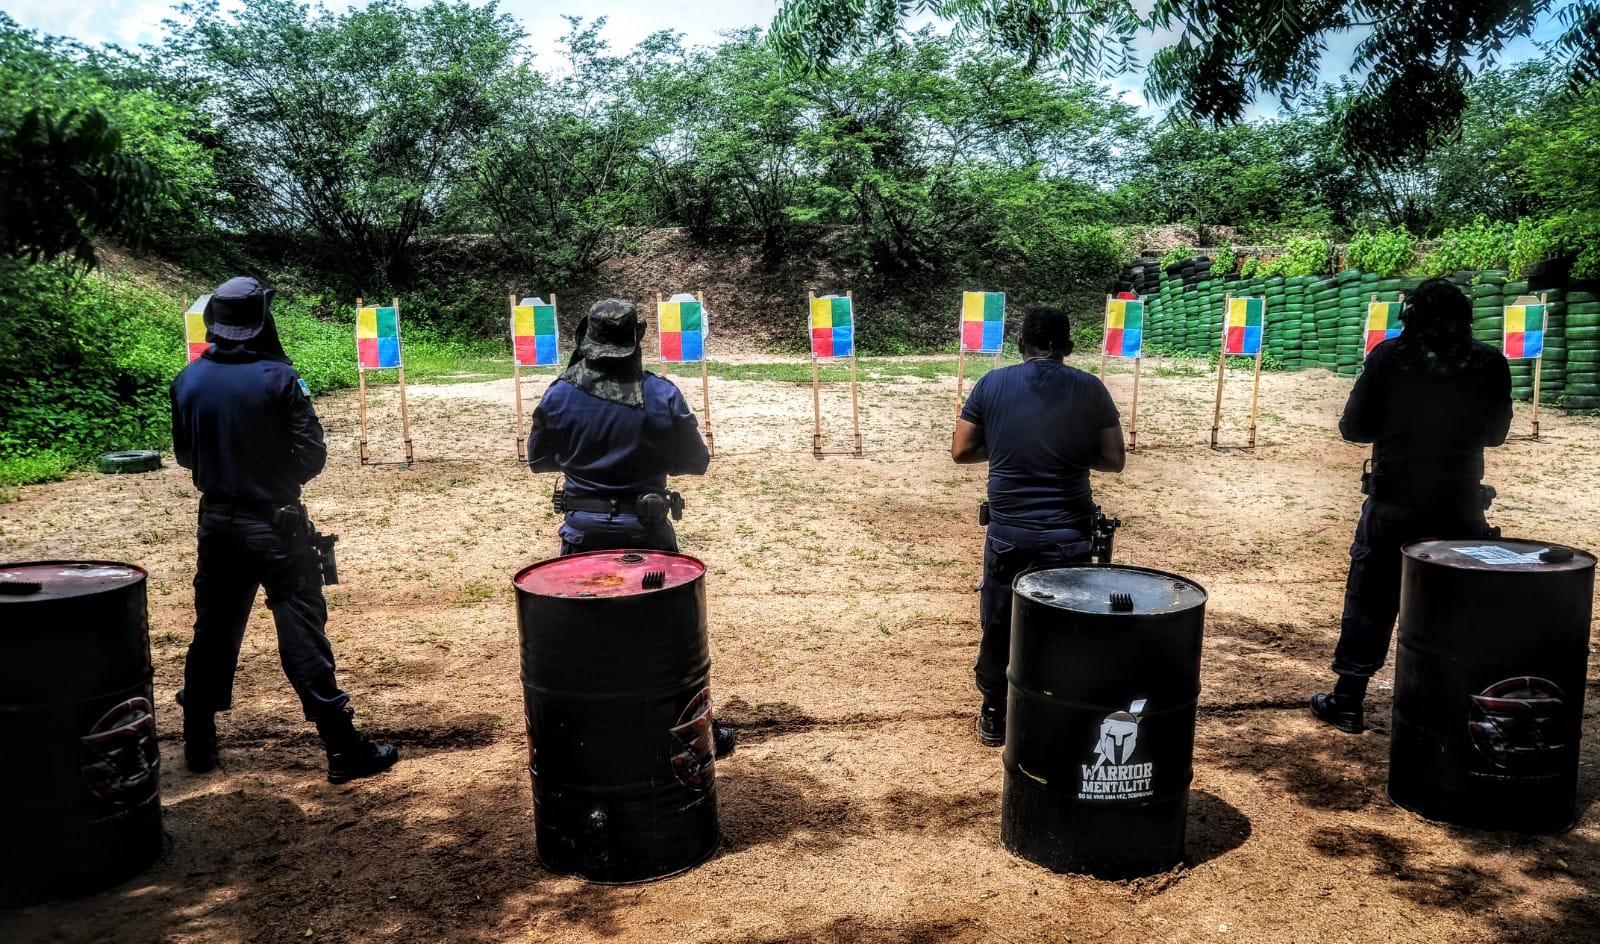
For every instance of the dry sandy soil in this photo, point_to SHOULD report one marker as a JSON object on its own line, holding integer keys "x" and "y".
{"x": 859, "y": 806}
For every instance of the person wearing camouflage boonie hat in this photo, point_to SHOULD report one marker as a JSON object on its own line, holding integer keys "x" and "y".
{"x": 606, "y": 360}
{"x": 616, "y": 431}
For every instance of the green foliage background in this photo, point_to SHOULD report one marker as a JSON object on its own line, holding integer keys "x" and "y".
{"x": 418, "y": 150}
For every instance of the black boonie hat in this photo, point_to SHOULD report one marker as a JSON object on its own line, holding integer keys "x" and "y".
{"x": 237, "y": 309}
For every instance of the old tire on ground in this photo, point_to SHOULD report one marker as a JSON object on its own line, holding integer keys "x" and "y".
{"x": 132, "y": 460}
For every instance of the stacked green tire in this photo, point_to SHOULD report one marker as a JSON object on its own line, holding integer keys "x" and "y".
{"x": 1325, "y": 313}
{"x": 1581, "y": 390}
{"x": 1553, "y": 363}
{"x": 1355, "y": 288}
{"x": 1292, "y": 321}
{"x": 1488, "y": 311}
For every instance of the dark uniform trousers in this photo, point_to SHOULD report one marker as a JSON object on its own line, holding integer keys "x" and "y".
{"x": 239, "y": 554}
{"x": 1372, "y": 593}
{"x": 1007, "y": 552}
{"x": 597, "y": 531}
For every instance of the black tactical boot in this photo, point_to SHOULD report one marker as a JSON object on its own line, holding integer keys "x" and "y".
{"x": 1342, "y": 707}
{"x": 992, "y": 726}
{"x": 722, "y": 740}
{"x": 351, "y": 754}
{"x": 199, "y": 739}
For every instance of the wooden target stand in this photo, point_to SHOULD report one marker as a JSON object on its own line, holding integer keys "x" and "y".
{"x": 1222, "y": 370}
{"x": 816, "y": 390}
{"x": 961, "y": 370}
{"x": 1538, "y": 362}
{"x": 516, "y": 379}
{"x": 705, "y": 371}
{"x": 361, "y": 381}
{"x": 1133, "y": 410}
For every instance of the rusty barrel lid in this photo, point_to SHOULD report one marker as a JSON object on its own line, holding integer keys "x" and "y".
{"x": 600, "y": 574}
{"x": 34, "y": 581}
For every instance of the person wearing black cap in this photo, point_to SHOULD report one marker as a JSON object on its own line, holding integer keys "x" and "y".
{"x": 1429, "y": 401}
{"x": 244, "y": 425}
{"x": 1042, "y": 426}
{"x": 616, "y": 431}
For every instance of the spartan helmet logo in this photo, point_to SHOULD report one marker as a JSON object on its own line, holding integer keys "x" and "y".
{"x": 121, "y": 760}
{"x": 692, "y": 762}
{"x": 1119, "y": 735}
{"x": 1519, "y": 724}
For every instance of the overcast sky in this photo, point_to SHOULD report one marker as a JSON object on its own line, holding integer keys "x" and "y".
{"x": 136, "y": 22}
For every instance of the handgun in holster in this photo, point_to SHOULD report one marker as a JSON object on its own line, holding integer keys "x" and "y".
{"x": 292, "y": 522}
{"x": 1104, "y": 536}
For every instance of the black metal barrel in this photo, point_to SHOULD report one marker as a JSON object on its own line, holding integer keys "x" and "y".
{"x": 80, "y": 787}
{"x": 1104, "y": 677}
{"x": 1489, "y": 682}
{"x": 615, "y": 671}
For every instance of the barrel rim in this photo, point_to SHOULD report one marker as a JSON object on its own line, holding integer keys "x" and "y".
{"x": 140, "y": 576}
{"x": 516, "y": 580}
{"x": 1581, "y": 560}
{"x": 1205, "y": 595}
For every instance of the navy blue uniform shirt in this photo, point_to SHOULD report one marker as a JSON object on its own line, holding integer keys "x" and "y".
{"x": 1041, "y": 424}
{"x": 1429, "y": 426}
{"x": 245, "y": 427}
{"x": 610, "y": 450}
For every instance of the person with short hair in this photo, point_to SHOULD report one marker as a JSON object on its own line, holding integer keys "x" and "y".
{"x": 242, "y": 421}
{"x": 1429, "y": 401}
{"x": 1042, "y": 426}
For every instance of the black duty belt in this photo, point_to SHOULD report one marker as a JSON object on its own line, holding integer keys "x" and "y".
{"x": 1428, "y": 493}
{"x": 239, "y": 509}
{"x": 649, "y": 507}
{"x": 604, "y": 506}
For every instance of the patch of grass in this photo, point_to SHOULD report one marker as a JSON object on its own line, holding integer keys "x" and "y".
{"x": 44, "y": 466}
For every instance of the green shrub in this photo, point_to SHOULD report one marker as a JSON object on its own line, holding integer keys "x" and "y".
{"x": 1251, "y": 268}
{"x": 1273, "y": 266}
{"x": 1175, "y": 256}
{"x": 1389, "y": 253}
{"x": 1307, "y": 255}
{"x": 1222, "y": 266}
{"x": 1478, "y": 245}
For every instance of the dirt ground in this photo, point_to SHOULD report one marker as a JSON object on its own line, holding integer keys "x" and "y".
{"x": 859, "y": 806}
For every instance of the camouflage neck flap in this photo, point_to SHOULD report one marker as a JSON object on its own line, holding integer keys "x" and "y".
{"x": 606, "y": 360}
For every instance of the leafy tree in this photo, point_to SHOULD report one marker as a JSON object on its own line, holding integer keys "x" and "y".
{"x": 81, "y": 159}
{"x": 1416, "y": 56}
{"x": 1555, "y": 158}
{"x": 353, "y": 126}
{"x": 563, "y": 173}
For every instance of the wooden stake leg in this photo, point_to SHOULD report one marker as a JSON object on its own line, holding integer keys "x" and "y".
{"x": 855, "y": 410}
{"x": 361, "y": 380}
{"x": 816, "y": 409}
{"x": 705, "y": 394}
{"x": 1255, "y": 397}
{"x": 1133, "y": 420}
{"x": 516, "y": 381}
{"x": 405, "y": 420}
{"x": 961, "y": 368}
{"x": 1222, "y": 367}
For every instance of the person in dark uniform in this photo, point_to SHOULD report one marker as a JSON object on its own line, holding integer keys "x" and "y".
{"x": 615, "y": 432}
{"x": 1429, "y": 401}
{"x": 243, "y": 423}
{"x": 1042, "y": 426}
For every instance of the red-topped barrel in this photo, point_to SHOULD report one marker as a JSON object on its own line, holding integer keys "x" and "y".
{"x": 1489, "y": 676}
{"x": 615, "y": 676}
{"x": 80, "y": 788}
